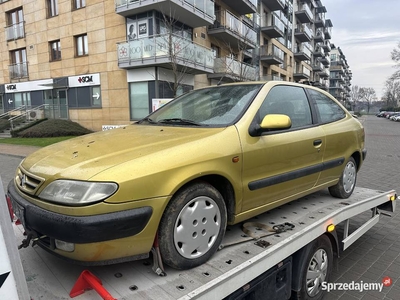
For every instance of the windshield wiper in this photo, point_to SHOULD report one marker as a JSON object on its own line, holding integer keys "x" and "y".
{"x": 180, "y": 121}
{"x": 147, "y": 119}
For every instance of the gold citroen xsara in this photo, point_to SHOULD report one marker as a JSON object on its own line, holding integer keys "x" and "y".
{"x": 211, "y": 157}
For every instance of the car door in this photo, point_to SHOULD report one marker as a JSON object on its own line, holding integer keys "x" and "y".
{"x": 280, "y": 164}
{"x": 341, "y": 135}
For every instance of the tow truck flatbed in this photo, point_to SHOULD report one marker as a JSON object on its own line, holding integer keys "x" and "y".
{"x": 240, "y": 260}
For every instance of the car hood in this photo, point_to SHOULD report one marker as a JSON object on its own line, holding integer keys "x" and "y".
{"x": 83, "y": 157}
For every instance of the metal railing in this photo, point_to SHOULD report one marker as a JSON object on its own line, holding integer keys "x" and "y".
{"x": 203, "y": 6}
{"x": 234, "y": 67}
{"x": 165, "y": 46}
{"x": 19, "y": 70}
{"x": 15, "y": 31}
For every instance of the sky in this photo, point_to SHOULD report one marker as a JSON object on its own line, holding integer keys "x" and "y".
{"x": 367, "y": 31}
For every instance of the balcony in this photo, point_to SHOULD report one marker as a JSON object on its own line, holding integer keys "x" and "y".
{"x": 301, "y": 73}
{"x": 318, "y": 51}
{"x": 326, "y": 60}
{"x": 324, "y": 73}
{"x": 270, "y": 78}
{"x": 319, "y": 36}
{"x": 242, "y": 7}
{"x": 229, "y": 70}
{"x": 168, "y": 51}
{"x": 317, "y": 66}
{"x": 304, "y": 14}
{"x": 327, "y": 46}
{"x": 302, "y": 53}
{"x": 273, "y": 26}
{"x": 273, "y": 4}
{"x": 328, "y": 33}
{"x": 303, "y": 34}
{"x": 18, "y": 71}
{"x": 15, "y": 31}
{"x": 232, "y": 31}
{"x": 274, "y": 56}
{"x": 319, "y": 20}
{"x": 195, "y": 13}
{"x": 335, "y": 66}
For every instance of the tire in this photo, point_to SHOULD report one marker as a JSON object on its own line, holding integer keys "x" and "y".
{"x": 192, "y": 226}
{"x": 347, "y": 182}
{"x": 318, "y": 268}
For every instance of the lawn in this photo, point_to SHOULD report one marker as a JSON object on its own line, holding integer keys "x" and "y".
{"x": 39, "y": 142}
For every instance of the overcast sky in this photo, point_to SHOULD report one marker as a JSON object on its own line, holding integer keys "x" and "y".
{"x": 366, "y": 31}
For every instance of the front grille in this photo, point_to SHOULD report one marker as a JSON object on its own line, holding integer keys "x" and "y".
{"x": 27, "y": 182}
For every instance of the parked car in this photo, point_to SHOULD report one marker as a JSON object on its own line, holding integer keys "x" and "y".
{"x": 211, "y": 157}
{"x": 393, "y": 116}
{"x": 380, "y": 114}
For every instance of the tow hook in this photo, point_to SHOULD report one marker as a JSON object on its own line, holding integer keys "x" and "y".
{"x": 26, "y": 242}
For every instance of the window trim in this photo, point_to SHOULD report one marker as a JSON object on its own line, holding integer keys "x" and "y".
{"x": 74, "y": 4}
{"x": 85, "y": 51}
{"x": 52, "y": 5}
{"x": 58, "y": 49}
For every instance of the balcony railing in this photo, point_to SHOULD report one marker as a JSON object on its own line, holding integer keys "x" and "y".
{"x": 15, "y": 31}
{"x": 328, "y": 32}
{"x": 242, "y": 7}
{"x": 232, "y": 30}
{"x": 234, "y": 68}
{"x": 272, "y": 55}
{"x": 272, "y": 26}
{"x": 304, "y": 14}
{"x": 194, "y": 13}
{"x": 19, "y": 70}
{"x": 271, "y": 78}
{"x": 165, "y": 48}
{"x": 303, "y": 33}
{"x": 273, "y": 4}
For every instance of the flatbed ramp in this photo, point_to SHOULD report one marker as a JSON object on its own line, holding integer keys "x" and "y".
{"x": 229, "y": 269}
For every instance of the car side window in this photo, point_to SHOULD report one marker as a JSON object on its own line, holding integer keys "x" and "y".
{"x": 329, "y": 110}
{"x": 288, "y": 100}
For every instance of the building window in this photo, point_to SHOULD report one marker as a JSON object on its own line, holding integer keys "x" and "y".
{"x": 84, "y": 97}
{"x": 52, "y": 8}
{"x": 77, "y": 4}
{"x": 15, "y": 24}
{"x": 22, "y": 99}
{"x": 55, "y": 50}
{"x": 81, "y": 45}
{"x": 19, "y": 65}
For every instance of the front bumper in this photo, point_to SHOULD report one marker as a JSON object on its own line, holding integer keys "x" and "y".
{"x": 79, "y": 230}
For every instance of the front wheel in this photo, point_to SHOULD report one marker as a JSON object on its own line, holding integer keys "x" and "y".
{"x": 192, "y": 226}
{"x": 347, "y": 182}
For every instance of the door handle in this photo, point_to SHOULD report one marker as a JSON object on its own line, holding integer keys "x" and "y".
{"x": 317, "y": 143}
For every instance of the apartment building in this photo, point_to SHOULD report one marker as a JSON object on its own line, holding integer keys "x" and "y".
{"x": 340, "y": 76}
{"x": 112, "y": 62}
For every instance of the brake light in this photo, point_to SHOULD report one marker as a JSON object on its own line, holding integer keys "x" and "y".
{"x": 10, "y": 209}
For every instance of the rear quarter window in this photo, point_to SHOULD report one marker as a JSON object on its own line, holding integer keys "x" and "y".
{"x": 328, "y": 110}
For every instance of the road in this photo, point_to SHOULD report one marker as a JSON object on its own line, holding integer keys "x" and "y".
{"x": 374, "y": 256}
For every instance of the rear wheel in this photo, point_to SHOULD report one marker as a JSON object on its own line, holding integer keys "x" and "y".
{"x": 192, "y": 226}
{"x": 347, "y": 182}
{"x": 317, "y": 269}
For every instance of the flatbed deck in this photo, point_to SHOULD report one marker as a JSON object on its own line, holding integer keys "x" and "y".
{"x": 49, "y": 277}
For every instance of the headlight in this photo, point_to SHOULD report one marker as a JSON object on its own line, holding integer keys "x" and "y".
{"x": 76, "y": 193}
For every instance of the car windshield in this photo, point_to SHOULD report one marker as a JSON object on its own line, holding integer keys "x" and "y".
{"x": 213, "y": 106}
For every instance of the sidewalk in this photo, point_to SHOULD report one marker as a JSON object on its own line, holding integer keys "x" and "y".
{"x": 17, "y": 150}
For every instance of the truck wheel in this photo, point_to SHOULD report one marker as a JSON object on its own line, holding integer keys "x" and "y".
{"x": 347, "y": 182}
{"x": 317, "y": 270}
{"x": 192, "y": 226}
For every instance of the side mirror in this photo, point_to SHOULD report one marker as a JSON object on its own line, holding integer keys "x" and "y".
{"x": 273, "y": 122}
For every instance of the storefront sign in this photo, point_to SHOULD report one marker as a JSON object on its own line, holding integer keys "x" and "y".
{"x": 29, "y": 86}
{"x": 84, "y": 80}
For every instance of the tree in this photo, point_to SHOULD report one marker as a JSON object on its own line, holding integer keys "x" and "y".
{"x": 368, "y": 95}
{"x": 356, "y": 96}
{"x": 232, "y": 57}
{"x": 395, "y": 54}
{"x": 392, "y": 92}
